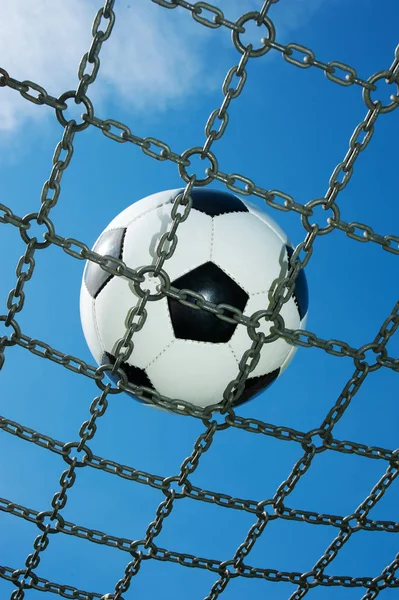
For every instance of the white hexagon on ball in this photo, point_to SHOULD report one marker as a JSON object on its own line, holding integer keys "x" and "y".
{"x": 229, "y": 252}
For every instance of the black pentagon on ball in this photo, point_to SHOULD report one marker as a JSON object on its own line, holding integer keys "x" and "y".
{"x": 134, "y": 375}
{"x": 214, "y": 202}
{"x": 198, "y": 324}
{"x": 110, "y": 243}
{"x": 256, "y": 385}
{"x": 301, "y": 293}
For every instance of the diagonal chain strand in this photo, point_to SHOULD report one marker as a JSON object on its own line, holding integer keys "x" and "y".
{"x": 382, "y": 581}
{"x": 362, "y": 370}
{"x": 326, "y": 427}
{"x": 346, "y": 532}
{"x": 386, "y": 331}
{"x": 59, "y": 500}
{"x": 188, "y": 466}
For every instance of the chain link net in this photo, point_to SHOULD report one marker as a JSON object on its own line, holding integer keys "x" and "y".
{"x": 313, "y": 442}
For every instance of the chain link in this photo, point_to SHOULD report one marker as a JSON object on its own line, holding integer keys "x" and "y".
{"x": 49, "y": 200}
{"x": 273, "y": 198}
{"x": 304, "y": 58}
{"x": 187, "y": 560}
{"x": 59, "y": 500}
{"x": 230, "y": 93}
{"x": 347, "y": 530}
{"x": 165, "y": 508}
{"x": 383, "y": 581}
{"x": 16, "y": 297}
{"x": 8, "y": 216}
{"x": 249, "y": 425}
{"x": 91, "y": 57}
{"x": 199, "y": 10}
{"x": 125, "y": 135}
{"x": 344, "y": 169}
{"x": 24, "y": 88}
{"x": 336, "y": 71}
{"x": 265, "y": 9}
{"x": 364, "y": 233}
{"x": 388, "y": 328}
{"x": 303, "y": 464}
{"x": 43, "y": 585}
{"x": 391, "y": 79}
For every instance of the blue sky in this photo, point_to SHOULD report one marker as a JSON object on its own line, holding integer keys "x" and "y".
{"x": 287, "y": 131}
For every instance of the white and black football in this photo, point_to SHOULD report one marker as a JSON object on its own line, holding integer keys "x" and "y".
{"x": 230, "y": 252}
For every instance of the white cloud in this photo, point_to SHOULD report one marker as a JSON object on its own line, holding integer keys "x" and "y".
{"x": 153, "y": 58}
{"x": 149, "y": 61}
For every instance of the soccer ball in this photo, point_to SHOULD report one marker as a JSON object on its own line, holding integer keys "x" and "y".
{"x": 228, "y": 251}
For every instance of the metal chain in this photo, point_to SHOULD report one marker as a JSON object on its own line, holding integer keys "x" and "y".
{"x": 314, "y": 441}
{"x": 25, "y": 87}
{"x": 344, "y": 169}
{"x": 161, "y": 554}
{"x": 150, "y": 146}
{"x": 364, "y": 233}
{"x": 52, "y": 188}
{"x": 165, "y": 249}
{"x": 67, "y": 479}
{"x": 7, "y": 216}
{"x": 336, "y": 71}
{"x": 187, "y": 560}
{"x": 16, "y": 297}
{"x": 363, "y": 368}
{"x": 302, "y": 338}
{"x": 99, "y": 405}
{"x": 376, "y": 493}
{"x": 41, "y": 542}
{"x": 224, "y": 500}
{"x": 284, "y": 289}
{"x": 215, "y": 17}
{"x": 91, "y": 57}
{"x": 188, "y": 466}
{"x": 354, "y": 230}
{"x": 388, "y": 328}
{"x": 265, "y": 9}
{"x": 257, "y": 528}
{"x": 230, "y": 93}
{"x": 303, "y": 464}
{"x": 383, "y": 581}
{"x": 43, "y": 585}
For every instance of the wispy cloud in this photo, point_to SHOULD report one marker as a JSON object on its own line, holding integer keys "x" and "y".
{"x": 149, "y": 61}
{"x": 154, "y": 57}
